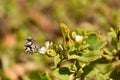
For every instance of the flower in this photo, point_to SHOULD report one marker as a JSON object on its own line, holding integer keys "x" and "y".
{"x": 78, "y": 38}
{"x": 47, "y": 44}
{"x": 44, "y": 49}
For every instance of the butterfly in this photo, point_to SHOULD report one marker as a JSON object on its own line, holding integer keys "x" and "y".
{"x": 31, "y": 45}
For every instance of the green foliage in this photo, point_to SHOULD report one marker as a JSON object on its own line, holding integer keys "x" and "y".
{"x": 65, "y": 31}
{"x": 35, "y": 75}
{"x": 44, "y": 76}
{"x": 62, "y": 73}
{"x": 84, "y": 56}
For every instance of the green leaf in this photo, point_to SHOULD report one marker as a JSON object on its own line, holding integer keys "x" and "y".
{"x": 88, "y": 59}
{"x": 104, "y": 68}
{"x": 112, "y": 33}
{"x": 107, "y": 51}
{"x": 65, "y": 31}
{"x": 114, "y": 40}
{"x": 99, "y": 45}
{"x": 91, "y": 53}
{"x": 34, "y": 75}
{"x": 100, "y": 77}
{"x": 73, "y": 56}
{"x": 91, "y": 40}
{"x": 62, "y": 73}
{"x": 86, "y": 56}
{"x": 95, "y": 43}
{"x": 44, "y": 76}
{"x": 57, "y": 59}
{"x": 115, "y": 74}
{"x": 88, "y": 71}
{"x": 74, "y": 34}
{"x": 90, "y": 56}
{"x": 93, "y": 73}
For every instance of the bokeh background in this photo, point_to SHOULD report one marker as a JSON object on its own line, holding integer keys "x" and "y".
{"x": 41, "y": 19}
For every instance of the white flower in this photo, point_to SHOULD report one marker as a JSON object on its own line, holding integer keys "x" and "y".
{"x": 45, "y": 48}
{"x": 47, "y": 44}
{"x": 78, "y": 38}
{"x": 42, "y": 50}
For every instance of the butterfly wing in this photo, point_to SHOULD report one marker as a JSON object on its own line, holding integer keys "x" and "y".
{"x": 31, "y": 46}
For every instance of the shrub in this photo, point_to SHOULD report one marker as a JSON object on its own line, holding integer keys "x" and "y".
{"x": 83, "y": 55}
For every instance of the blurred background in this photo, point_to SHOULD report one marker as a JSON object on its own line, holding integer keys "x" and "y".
{"x": 41, "y": 19}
